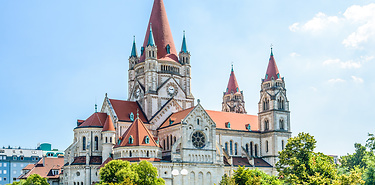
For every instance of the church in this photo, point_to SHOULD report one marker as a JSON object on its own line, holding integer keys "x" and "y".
{"x": 161, "y": 121}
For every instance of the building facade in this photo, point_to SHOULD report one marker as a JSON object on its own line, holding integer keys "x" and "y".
{"x": 160, "y": 122}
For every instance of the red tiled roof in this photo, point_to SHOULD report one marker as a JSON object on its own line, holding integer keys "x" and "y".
{"x": 29, "y": 167}
{"x": 232, "y": 84}
{"x": 108, "y": 125}
{"x": 176, "y": 117}
{"x": 242, "y": 161}
{"x": 272, "y": 70}
{"x": 124, "y": 108}
{"x": 237, "y": 121}
{"x": 138, "y": 132}
{"x": 45, "y": 170}
{"x": 95, "y": 120}
{"x": 82, "y": 160}
{"x": 161, "y": 32}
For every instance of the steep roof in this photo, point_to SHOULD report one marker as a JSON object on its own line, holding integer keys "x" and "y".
{"x": 108, "y": 125}
{"x": 161, "y": 33}
{"x": 138, "y": 132}
{"x": 123, "y": 109}
{"x": 272, "y": 70}
{"x": 95, "y": 120}
{"x": 237, "y": 121}
{"x": 176, "y": 118}
{"x": 232, "y": 84}
{"x": 134, "y": 52}
{"x": 44, "y": 169}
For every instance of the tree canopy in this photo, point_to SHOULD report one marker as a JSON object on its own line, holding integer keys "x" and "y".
{"x": 243, "y": 176}
{"x": 33, "y": 179}
{"x": 122, "y": 172}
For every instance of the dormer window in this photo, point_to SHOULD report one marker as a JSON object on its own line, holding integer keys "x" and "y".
{"x": 147, "y": 140}
{"x": 131, "y": 140}
{"x": 131, "y": 116}
{"x": 55, "y": 172}
{"x": 168, "y": 48}
{"x": 171, "y": 121}
{"x": 227, "y": 125}
{"x": 248, "y": 127}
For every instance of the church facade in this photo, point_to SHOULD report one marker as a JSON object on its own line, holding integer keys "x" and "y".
{"x": 160, "y": 122}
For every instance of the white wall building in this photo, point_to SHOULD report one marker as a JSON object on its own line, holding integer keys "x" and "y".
{"x": 160, "y": 123}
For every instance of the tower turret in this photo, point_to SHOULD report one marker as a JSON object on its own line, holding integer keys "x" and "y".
{"x": 186, "y": 68}
{"x": 273, "y": 114}
{"x": 133, "y": 60}
{"x": 233, "y": 99}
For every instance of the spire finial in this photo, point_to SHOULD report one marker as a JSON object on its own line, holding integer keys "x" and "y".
{"x": 134, "y": 49}
{"x": 232, "y": 66}
{"x": 271, "y": 50}
{"x": 184, "y": 47}
{"x": 96, "y": 108}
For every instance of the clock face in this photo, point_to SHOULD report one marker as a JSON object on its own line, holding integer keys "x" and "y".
{"x": 171, "y": 89}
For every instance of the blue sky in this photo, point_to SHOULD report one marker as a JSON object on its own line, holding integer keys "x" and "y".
{"x": 59, "y": 58}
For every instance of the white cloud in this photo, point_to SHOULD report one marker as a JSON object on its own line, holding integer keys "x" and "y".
{"x": 294, "y": 54}
{"x": 318, "y": 23}
{"x": 336, "y": 80}
{"x": 358, "y": 18}
{"x": 350, "y": 64}
{"x": 357, "y": 79}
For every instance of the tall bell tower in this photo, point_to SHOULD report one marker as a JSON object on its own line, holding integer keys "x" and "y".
{"x": 233, "y": 100}
{"x": 273, "y": 114}
{"x": 159, "y": 73}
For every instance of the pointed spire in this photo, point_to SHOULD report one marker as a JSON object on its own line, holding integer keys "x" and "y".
{"x": 232, "y": 84}
{"x": 161, "y": 33}
{"x": 184, "y": 47}
{"x": 134, "y": 49}
{"x": 272, "y": 70}
{"x": 151, "y": 41}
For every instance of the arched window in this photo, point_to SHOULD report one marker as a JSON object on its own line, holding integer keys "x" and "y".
{"x": 266, "y": 125}
{"x": 197, "y": 121}
{"x": 247, "y": 148}
{"x": 256, "y": 150}
{"x": 231, "y": 147}
{"x": 131, "y": 140}
{"x": 110, "y": 139}
{"x": 226, "y": 147}
{"x": 235, "y": 148}
{"x": 171, "y": 140}
{"x": 130, "y": 153}
{"x": 96, "y": 143}
{"x": 281, "y": 124}
{"x": 251, "y": 149}
{"x": 164, "y": 147}
{"x": 282, "y": 144}
{"x": 147, "y": 140}
{"x": 83, "y": 143}
{"x": 106, "y": 140}
{"x": 266, "y": 146}
{"x": 147, "y": 154}
{"x": 167, "y": 143}
{"x": 174, "y": 139}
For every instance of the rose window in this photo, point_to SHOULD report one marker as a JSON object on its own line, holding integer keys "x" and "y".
{"x": 198, "y": 139}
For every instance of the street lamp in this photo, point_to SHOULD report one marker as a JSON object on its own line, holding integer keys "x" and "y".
{"x": 175, "y": 172}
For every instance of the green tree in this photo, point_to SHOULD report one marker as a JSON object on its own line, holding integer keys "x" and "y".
{"x": 352, "y": 178}
{"x": 370, "y": 143}
{"x": 33, "y": 179}
{"x": 147, "y": 173}
{"x": 357, "y": 159}
{"x": 299, "y": 164}
{"x": 122, "y": 172}
{"x": 114, "y": 171}
{"x": 248, "y": 176}
{"x": 226, "y": 180}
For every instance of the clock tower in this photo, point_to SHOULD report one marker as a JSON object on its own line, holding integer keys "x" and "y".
{"x": 159, "y": 73}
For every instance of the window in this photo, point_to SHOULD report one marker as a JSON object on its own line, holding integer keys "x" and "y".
{"x": 235, "y": 148}
{"x": 0, "y": 179}
{"x": 247, "y": 148}
{"x": 1, "y": 172}
{"x": 282, "y": 127}
{"x": 4, "y": 157}
{"x": 231, "y": 147}
{"x": 197, "y": 121}
{"x": 96, "y": 143}
{"x": 83, "y": 143}
{"x": 55, "y": 172}
{"x": 21, "y": 158}
{"x": 164, "y": 147}
{"x": 251, "y": 149}
{"x": 147, "y": 140}
{"x": 5, "y": 164}
{"x": 106, "y": 139}
{"x": 256, "y": 150}
{"x": 131, "y": 116}
{"x": 14, "y": 165}
{"x": 14, "y": 171}
{"x": 167, "y": 143}
{"x": 131, "y": 140}
{"x": 226, "y": 147}
{"x": 130, "y": 154}
{"x": 4, "y": 172}
{"x": 266, "y": 146}
{"x": 14, "y": 158}
{"x": 5, "y": 179}
{"x": 110, "y": 139}
{"x": 266, "y": 125}
{"x": 147, "y": 154}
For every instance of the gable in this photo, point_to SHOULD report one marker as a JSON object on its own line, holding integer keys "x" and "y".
{"x": 168, "y": 109}
{"x": 170, "y": 88}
